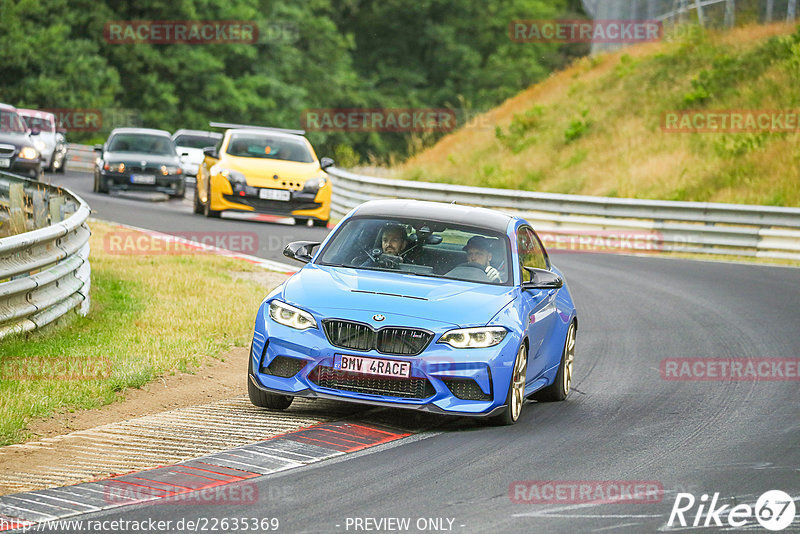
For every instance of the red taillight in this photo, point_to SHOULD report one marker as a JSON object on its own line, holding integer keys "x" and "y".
{"x": 241, "y": 193}
{"x": 180, "y": 171}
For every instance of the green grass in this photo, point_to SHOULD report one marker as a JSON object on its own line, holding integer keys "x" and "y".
{"x": 150, "y": 316}
{"x": 596, "y": 128}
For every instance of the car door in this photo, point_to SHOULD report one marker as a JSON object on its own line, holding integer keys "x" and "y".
{"x": 538, "y": 306}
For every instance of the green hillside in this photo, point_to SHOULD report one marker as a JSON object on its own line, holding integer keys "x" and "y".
{"x": 597, "y": 127}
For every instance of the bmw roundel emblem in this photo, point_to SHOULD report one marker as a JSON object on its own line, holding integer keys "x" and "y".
{"x": 378, "y": 317}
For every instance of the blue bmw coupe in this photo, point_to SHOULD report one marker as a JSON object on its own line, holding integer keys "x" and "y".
{"x": 438, "y": 307}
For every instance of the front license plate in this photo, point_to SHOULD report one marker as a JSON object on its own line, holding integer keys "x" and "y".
{"x": 5, "y": 162}
{"x": 372, "y": 366}
{"x": 274, "y": 194}
{"x": 143, "y": 179}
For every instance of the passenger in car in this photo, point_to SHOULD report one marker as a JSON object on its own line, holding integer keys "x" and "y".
{"x": 479, "y": 251}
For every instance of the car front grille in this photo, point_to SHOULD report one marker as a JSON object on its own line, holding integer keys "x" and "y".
{"x": 387, "y": 340}
{"x": 7, "y": 150}
{"x": 408, "y": 388}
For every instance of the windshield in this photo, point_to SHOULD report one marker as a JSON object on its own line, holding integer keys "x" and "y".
{"x": 10, "y": 122}
{"x": 269, "y": 147}
{"x": 425, "y": 248}
{"x": 142, "y": 143}
{"x": 197, "y": 141}
{"x": 41, "y": 123}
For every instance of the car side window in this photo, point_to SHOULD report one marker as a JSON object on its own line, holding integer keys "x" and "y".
{"x": 531, "y": 252}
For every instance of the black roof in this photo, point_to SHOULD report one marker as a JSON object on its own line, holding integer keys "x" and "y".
{"x": 436, "y": 211}
{"x": 150, "y": 131}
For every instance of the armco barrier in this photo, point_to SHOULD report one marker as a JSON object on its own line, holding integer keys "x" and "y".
{"x": 44, "y": 264}
{"x": 80, "y": 158}
{"x": 694, "y": 227}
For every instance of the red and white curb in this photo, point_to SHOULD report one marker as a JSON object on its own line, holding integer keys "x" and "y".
{"x": 191, "y": 481}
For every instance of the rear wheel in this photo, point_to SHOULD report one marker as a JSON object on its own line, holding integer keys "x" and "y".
{"x": 198, "y": 206}
{"x": 559, "y": 389}
{"x": 319, "y": 222}
{"x": 516, "y": 390}
{"x": 301, "y": 221}
{"x": 265, "y": 399}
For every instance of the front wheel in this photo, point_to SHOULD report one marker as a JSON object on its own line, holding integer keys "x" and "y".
{"x": 301, "y": 221}
{"x": 207, "y": 211}
{"x": 516, "y": 390}
{"x": 559, "y": 389}
{"x": 320, "y": 222}
{"x": 265, "y": 399}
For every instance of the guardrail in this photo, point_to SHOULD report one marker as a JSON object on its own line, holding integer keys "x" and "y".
{"x": 44, "y": 265}
{"x": 694, "y": 227}
{"x": 80, "y": 157}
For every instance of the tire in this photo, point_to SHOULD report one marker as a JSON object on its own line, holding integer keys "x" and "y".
{"x": 207, "y": 211}
{"x": 198, "y": 206}
{"x": 179, "y": 194}
{"x": 265, "y": 399}
{"x": 559, "y": 389}
{"x": 320, "y": 222}
{"x": 300, "y": 221}
{"x": 516, "y": 390}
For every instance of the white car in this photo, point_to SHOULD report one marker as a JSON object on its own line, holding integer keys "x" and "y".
{"x": 190, "y": 145}
{"x": 46, "y": 140}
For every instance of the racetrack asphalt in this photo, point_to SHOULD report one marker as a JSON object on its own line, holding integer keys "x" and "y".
{"x": 622, "y": 422}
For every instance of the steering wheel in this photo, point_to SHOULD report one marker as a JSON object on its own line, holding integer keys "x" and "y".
{"x": 475, "y": 265}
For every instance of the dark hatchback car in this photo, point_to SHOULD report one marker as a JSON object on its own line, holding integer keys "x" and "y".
{"x": 17, "y": 151}
{"x": 139, "y": 159}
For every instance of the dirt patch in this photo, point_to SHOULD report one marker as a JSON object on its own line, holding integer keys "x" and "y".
{"x": 216, "y": 379}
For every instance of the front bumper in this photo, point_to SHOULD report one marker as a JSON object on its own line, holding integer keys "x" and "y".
{"x": 170, "y": 184}
{"x": 439, "y": 365}
{"x": 27, "y": 167}
{"x": 239, "y": 197}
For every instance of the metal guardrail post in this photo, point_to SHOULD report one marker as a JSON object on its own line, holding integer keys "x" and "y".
{"x": 45, "y": 272}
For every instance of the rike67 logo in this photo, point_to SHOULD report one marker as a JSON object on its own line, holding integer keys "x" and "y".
{"x": 774, "y": 510}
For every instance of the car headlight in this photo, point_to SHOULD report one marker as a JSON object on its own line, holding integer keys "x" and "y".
{"x": 474, "y": 338}
{"x": 313, "y": 185}
{"x": 290, "y": 316}
{"x": 28, "y": 152}
{"x": 170, "y": 170}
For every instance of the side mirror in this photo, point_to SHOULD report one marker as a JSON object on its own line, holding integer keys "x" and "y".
{"x": 35, "y": 131}
{"x": 211, "y": 151}
{"x": 324, "y": 163}
{"x": 98, "y": 148}
{"x": 542, "y": 279}
{"x": 300, "y": 250}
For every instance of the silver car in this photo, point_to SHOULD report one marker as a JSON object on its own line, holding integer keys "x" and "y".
{"x": 190, "y": 145}
{"x": 50, "y": 143}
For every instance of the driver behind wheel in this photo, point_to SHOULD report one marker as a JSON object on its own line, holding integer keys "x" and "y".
{"x": 394, "y": 241}
{"x": 479, "y": 250}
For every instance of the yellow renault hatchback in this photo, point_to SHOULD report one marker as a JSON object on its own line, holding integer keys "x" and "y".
{"x": 264, "y": 170}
